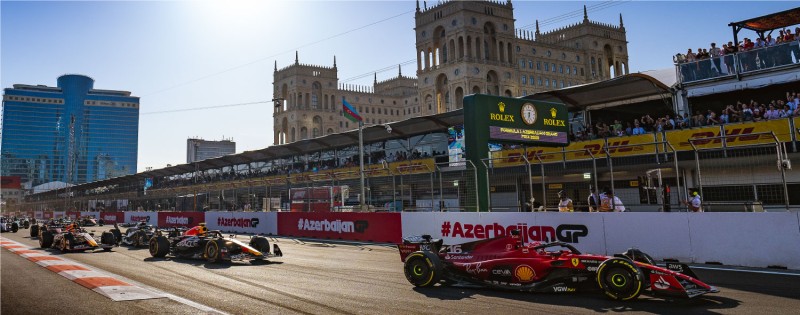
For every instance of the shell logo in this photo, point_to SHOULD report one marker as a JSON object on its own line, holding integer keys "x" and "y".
{"x": 524, "y": 273}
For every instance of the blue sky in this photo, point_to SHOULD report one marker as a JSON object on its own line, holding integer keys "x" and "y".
{"x": 193, "y": 54}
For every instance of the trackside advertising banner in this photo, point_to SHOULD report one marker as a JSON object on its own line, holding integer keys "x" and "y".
{"x": 58, "y": 214}
{"x": 368, "y": 227}
{"x": 112, "y": 217}
{"x": 180, "y": 219}
{"x": 582, "y": 230}
{"x": 73, "y": 214}
{"x": 242, "y": 222}
{"x": 136, "y": 216}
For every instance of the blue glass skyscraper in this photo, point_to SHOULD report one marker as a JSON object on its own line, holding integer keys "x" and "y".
{"x": 71, "y": 133}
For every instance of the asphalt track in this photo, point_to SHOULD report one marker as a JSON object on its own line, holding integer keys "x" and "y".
{"x": 328, "y": 278}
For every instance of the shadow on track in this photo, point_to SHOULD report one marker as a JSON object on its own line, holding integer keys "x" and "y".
{"x": 589, "y": 300}
{"x": 214, "y": 265}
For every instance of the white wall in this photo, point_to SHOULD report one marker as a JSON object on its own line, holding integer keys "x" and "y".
{"x": 739, "y": 239}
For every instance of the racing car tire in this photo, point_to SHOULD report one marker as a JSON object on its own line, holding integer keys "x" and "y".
{"x": 100, "y": 222}
{"x": 46, "y": 239}
{"x": 26, "y": 225}
{"x": 422, "y": 269}
{"x": 211, "y": 251}
{"x": 107, "y": 238}
{"x": 34, "y": 230}
{"x": 261, "y": 244}
{"x": 159, "y": 246}
{"x": 117, "y": 235}
{"x": 620, "y": 279}
{"x": 14, "y": 227}
{"x": 67, "y": 242}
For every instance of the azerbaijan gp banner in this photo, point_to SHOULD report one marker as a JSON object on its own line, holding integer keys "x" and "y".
{"x": 352, "y": 226}
{"x": 242, "y": 222}
{"x": 180, "y": 219}
{"x": 582, "y": 230}
{"x": 112, "y": 217}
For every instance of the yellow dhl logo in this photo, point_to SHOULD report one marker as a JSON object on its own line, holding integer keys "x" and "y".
{"x": 531, "y": 155}
{"x": 733, "y": 135}
{"x": 613, "y": 147}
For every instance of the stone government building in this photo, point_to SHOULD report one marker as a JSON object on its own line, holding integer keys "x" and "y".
{"x": 463, "y": 47}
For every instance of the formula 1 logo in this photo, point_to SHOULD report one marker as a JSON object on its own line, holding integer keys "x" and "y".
{"x": 569, "y": 233}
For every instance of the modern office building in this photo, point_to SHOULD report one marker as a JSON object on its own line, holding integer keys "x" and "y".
{"x": 71, "y": 133}
{"x": 462, "y": 47}
{"x": 199, "y": 149}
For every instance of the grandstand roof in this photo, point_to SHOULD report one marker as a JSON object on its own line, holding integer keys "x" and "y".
{"x": 627, "y": 89}
{"x": 771, "y": 21}
{"x": 408, "y": 127}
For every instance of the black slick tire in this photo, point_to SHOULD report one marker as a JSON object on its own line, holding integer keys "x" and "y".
{"x": 108, "y": 239}
{"x": 46, "y": 239}
{"x": 620, "y": 279}
{"x": 261, "y": 244}
{"x": 211, "y": 251}
{"x": 159, "y": 246}
{"x": 422, "y": 269}
{"x": 34, "y": 231}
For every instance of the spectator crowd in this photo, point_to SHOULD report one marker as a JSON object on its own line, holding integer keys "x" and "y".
{"x": 763, "y": 53}
{"x": 741, "y": 112}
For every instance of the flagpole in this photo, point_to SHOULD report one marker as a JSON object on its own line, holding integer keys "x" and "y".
{"x": 361, "y": 162}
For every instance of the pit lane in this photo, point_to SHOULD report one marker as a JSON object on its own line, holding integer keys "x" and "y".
{"x": 334, "y": 278}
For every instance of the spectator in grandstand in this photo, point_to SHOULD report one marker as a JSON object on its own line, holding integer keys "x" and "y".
{"x": 669, "y": 123}
{"x": 712, "y": 118}
{"x": 716, "y": 53}
{"x": 685, "y": 122}
{"x": 724, "y": 118}
{"x": 785, "y": 111}
{"x": 792, "y": 101}
{"x": 758, "y": 115}
{"x": 564, "y": 203}
{"x": 637, "y": 129}
{"x": 629, "y": 129}
{"x": 747, "y": 113}
{"x": 771, "y": 113}
{"x": 698, "y": 120}
{"x": 695, "y": 204}
{"x": 795, "y": 47}
{"x": 617, "y": 127}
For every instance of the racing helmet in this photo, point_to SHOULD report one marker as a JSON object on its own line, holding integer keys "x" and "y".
{"x": 202, "y": 229}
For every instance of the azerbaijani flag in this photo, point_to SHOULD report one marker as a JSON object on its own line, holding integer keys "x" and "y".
{"x": 350, "y": 111}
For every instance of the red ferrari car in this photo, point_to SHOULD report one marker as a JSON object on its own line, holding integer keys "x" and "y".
{"x": 505, "y": 262}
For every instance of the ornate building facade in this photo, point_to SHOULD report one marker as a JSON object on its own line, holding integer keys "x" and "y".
{"x": 462, "y": 48}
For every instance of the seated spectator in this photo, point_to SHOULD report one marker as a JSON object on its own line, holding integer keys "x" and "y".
{"x": 629, "y": 129}
{"x": 771, "y": 113}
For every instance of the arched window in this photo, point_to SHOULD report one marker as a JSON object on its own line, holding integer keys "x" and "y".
{"x": 303, "y": 133}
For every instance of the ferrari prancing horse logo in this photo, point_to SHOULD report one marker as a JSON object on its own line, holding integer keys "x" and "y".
{"x": 575, "y": 262}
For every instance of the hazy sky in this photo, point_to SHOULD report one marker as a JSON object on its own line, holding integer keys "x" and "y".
{"x": 179, "y": 55}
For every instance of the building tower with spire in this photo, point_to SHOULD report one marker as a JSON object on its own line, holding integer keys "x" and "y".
{"x": 462, "y": 47}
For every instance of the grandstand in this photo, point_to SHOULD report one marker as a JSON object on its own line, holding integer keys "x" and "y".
{"x": 741, "y": 165}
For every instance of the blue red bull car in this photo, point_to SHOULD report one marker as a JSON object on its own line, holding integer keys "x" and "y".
{"x": 507, "y": 263}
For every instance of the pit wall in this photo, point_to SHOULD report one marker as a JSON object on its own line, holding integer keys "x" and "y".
{"x": 765, "y": 239}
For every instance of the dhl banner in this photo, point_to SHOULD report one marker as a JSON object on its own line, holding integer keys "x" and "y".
{"x": 739, "y": 134}
{"x": 679, "y": 139}
{"x": 616, "y": 146}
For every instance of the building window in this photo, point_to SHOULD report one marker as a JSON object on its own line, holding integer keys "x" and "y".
{"x": 569, "y": 70}
{"x": 561, "y": 68}
{"x": 538, "y": 65}
{"x": 546, "y": 66}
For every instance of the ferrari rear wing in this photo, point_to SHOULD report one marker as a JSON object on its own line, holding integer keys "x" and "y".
{"x": 418, "y": 243}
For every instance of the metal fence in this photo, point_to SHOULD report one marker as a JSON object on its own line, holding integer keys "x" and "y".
{"x": 729, "y": 174}
{"x": 732, "y": 177}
